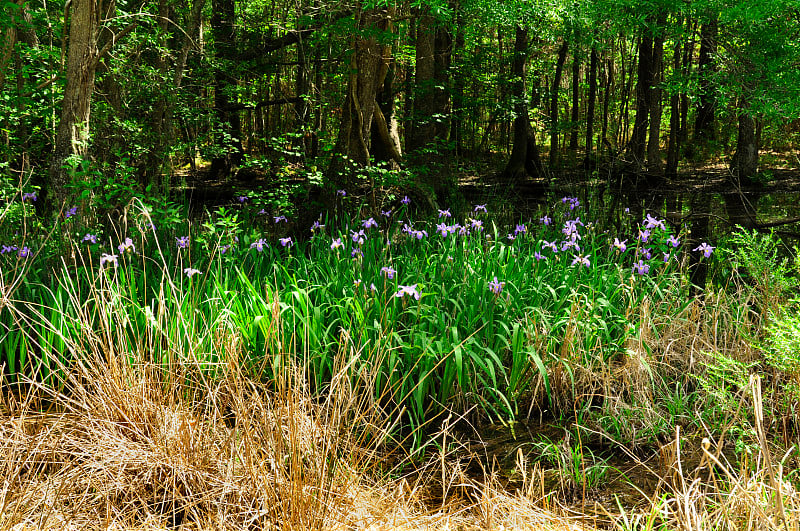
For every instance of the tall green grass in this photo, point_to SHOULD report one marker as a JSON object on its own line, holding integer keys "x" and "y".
{"x": 501, "y": 321}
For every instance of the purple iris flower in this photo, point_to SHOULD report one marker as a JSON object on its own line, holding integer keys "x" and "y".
{"x": 411, "y": 291}
{"x": 317, "y": 226}
{"x": 30, "y": 196}
{"x": 496, "y": 287}
{"x": 445, "y": 213}
{"x": 108, "y": 259}
{"x": 477, "y": 224}
{"x": 581, "y": 260}
{"x": 480, "y": 208}
{"x": 126, "y": 246}
{"x": 224, "y": 249}
{"x": 190, "y": 272}
{"x": 405, "y": 200}
{"x": 705, "y": 248}
{"x": 641, "y": 268}
{"x": 369, "y": 223}
{"x": 386, "y": 213}
{"x": 356, "y": 253}
{"x": 278, "y": 219}
{"x": 646, "y": 252}
{"x": 388, "y": 272}
{"x": 71, "y": 212}
{"x": 520, "y": 229}
{"x": 654, "y": 223}
{"x": 667, "y": 256}
{"x": 337, "y": 243}
{"x": 441, "y": 228}
{"x": 620, "y": 245}
{"x": 551, "y": 245}
{"x": 673, "y": 241}
{"x": 8, "y": 249}
{"x": 259, "y": 245}
{"x": 89, "y": 238}
{"x": 341, "y": 193}
{"x": 538, "y": 256}
{"x": 182, "y": 242}
{"x": 286, "y": 241}
{"x": 243, "y": 199}
{"x": 546, "y": 220}
{"x": 644, "y": 235}
{"x": 25, "y": 252}
{"x": 358, "y": 236}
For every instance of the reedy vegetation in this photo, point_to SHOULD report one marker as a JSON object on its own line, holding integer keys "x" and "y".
{"x": 304, "y": 363}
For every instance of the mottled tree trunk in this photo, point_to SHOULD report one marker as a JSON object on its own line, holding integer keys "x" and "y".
{"x": 706, "y": 67}
{"x": 644, "y": 83}
{"x": 673, "y": 148}
{"x": 654, "y": 163}
{"x": 590, "y": 104}
{"x": 745, "y": 161}
{"x": 229, "y": 140}
{"x": 368, "y": 66}
{"x": 72, "y": 136}
{"x": 524, "y": 157}
{"x": 562, "y": 57}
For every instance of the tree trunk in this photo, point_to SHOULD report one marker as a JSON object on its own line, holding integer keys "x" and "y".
{"x": 524, "y": 157}
{"x": 368, "y": 66}
{"x": 656, "y": 108}
{"x": 706, "y": 67}
{"x": 229, "y": 140}
{"x": 673, "y": 148}
{"x": 745, "y": 161}
{"x": 644, "y": 84}
{"x": 423, "y": 127}
{"x": 591, "y": 104}
{"x": 456, "y": 120}
{"x": 562, "y": 57}
{"x": 576, "y": 98}
{"x": 72, "y": 136}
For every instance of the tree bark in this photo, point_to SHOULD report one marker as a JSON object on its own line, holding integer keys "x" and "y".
{"x": 72, "y": 136}
{"x": 368, "y": 68}
{"x": 524, "y": 159}
{"x": 704, "y": 127}
{"x": 562, "y": 57}
{"x": 654, "y": 163}
{"x": 745, "y": 161}
{"x": 576, "y": 98}
{"x": 673, "y": 148}
{"x": 644, "y": 83}
{"x": 590, "y": 105}
{"x": 229, "y": 122}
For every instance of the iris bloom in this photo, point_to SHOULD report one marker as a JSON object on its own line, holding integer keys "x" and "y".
{"x": 620, "y": 245}
{"x": 126, "y": 246}
{"x": 278, "y": 219}
{"x": 705, "y": 248}
{"x": 445, "y": 213}
{"x": 182, "y": 242}
{"x": 476, "y": 224}
{"x": 24, "y": 252}
{"x": 641, "y": 268}
{"x": 242, "y": 198}
{"x": 341, "y": 193}
{"x": 389, "y": 272}
{"x": 386, "y": 213}
{"x": 70, "y": 212}
{"x": 546, "y": 220}
{"x": 108, "y": 259}
{"x": 190, "y": 272}
{"x": 496, "y": 287}
{"x": 259, "y": 245}
{"x": 286, "y": 241}
{"x": 89, "y": 238}
{"x": 411, "y": 291}
{"x": 644, "y": 235}
{"x": 480, "y": 208}
{"x": 581, "y": 260}
{"x": 654, "y": 223}
{"x": 369, "y": 223}
{"x": 551, "y": 245}
{"x": 317, "y": 226}
{"x": 30, "y": 196}
{"x": 337, "y": 243}
{"x": 405, "y": 200}
{"x": 538, "y": 256}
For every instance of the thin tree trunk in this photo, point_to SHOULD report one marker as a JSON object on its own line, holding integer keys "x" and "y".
{"x": 704, "y": 128}
{"x": 72, "y": 136}
{"x": 654, "y": 162}
{"x": 562, "y": 57}
{"x": 576, "y": 98}
{"x": 644, "y": 83}
{"x": 673, "y": 149}
{"x": 591, "y": 104}
{"x": 229, "y": 142}
{"x": 744, "y": 164}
